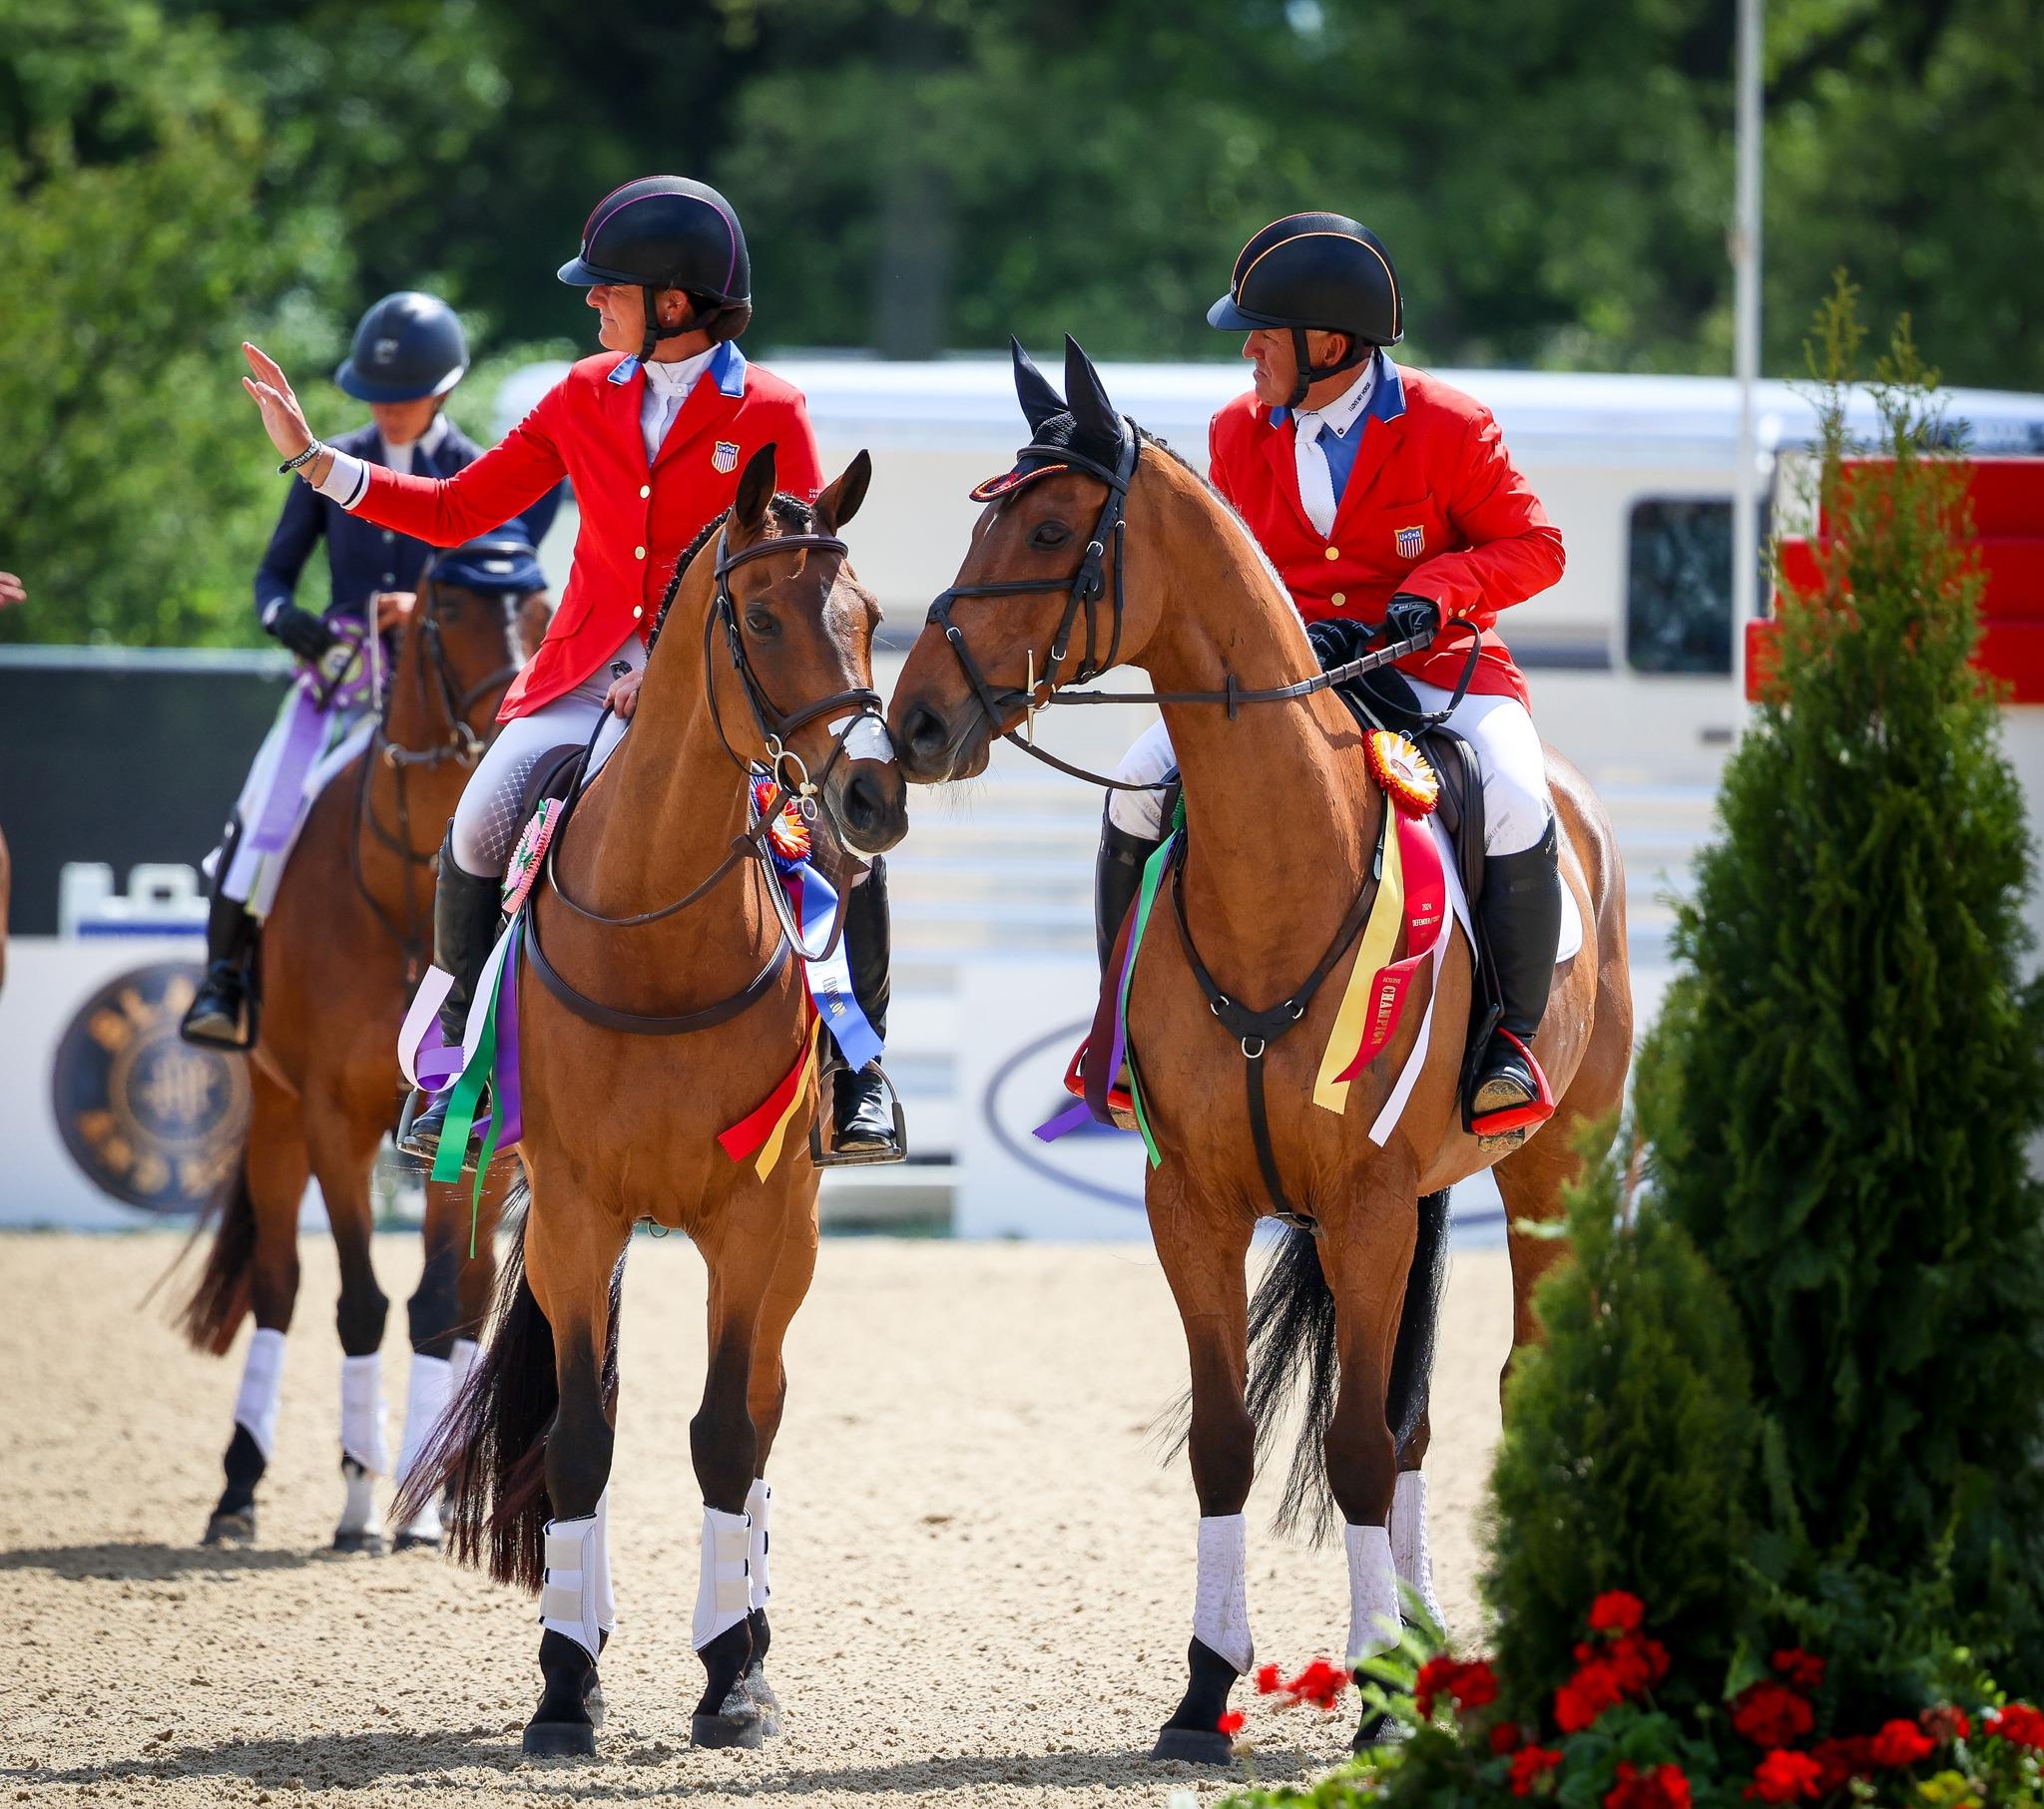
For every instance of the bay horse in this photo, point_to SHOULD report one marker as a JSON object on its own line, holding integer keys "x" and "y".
{"x": 344, "y": 943}
{"x": 1283, "y": 823}
{"x": 667, "y": 1009}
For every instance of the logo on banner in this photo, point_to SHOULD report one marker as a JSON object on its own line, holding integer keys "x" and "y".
{"x": 1411, "y": 542}
{"x": 726, "y": 457}
{"x": 148, "y": 1119}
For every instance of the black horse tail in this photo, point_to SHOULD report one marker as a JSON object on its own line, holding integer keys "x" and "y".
{"x": 222, "y": 1298}
{"x": 489, "y": 1453}
{"x": 1293, "y": 1348}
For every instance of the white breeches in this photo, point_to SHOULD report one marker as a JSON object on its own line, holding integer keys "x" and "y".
{"x": 1516, "y": 804}
{"x": 487, "y": 821}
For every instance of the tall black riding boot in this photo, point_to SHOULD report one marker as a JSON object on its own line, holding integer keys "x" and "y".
{"x": 1521, "y": 913}
{"x": 1117, "y": 881}
{"x": 468, "y": 915}
{"x": 862, "y": 1117}
{"x": 224, "y": 1010}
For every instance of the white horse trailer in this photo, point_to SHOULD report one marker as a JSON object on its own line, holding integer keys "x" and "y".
{"x": 1630, "y": 655}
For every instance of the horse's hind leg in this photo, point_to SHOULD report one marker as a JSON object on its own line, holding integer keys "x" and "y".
{"x": 574, "y": 1272}
{"x": 445, "y": 1311}
{"x": 343, "y": 1150}
{"x": 765, "y": 1397}
{"x": 1203, "y": 1245}
{"x": 1412, "y": 1557}
{"x": 271, "y": 1182}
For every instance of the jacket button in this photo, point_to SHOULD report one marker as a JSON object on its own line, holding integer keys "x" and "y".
{"x": 638, "y": 612}
{"x": 1337, "y": 600}
{"x": 1334, "y": 552}
{"x": 638, "y": 552}
{"x": 389, "y": 537}
{"x": 645, "y": 490}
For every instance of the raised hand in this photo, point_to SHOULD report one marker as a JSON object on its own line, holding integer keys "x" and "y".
{"x": 283, "y": 419}
{"x": 12, "y": 590}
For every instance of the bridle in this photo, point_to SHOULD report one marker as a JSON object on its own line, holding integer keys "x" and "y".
{"x": 792, "y": 780}
{"x": 1088, "y": 589}
{"x": 461, "y": 744}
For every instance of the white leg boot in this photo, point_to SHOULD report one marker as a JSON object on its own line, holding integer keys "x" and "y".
{"x": 1410, "y": 1556}
{"x": 759, "y": 1507}
{"x": 364, "y": 1455}
{"x": 1373, "y": 1624}
{"x": 425, "y": 1406}
{"x": 233, "y": 1522}
{"x": 724, "y": 1601}
{"x": 568, "y": 1609}
{"x": 1221, "y": 1649}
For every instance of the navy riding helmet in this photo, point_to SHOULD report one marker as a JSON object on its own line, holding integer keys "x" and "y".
{"x": 409, "y": 347}
{"x": 668, "y": 232}
{"x": 494, "y": 564}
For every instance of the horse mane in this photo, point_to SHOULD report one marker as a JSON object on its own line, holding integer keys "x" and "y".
{"x": 788, "y": 513}
{"x": 1228, "y": 509}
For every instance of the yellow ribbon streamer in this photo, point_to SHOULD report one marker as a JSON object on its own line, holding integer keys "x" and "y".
{"x": 1380, "y": 939}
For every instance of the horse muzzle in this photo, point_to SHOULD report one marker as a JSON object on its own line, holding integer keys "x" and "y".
{"x": 934, "y": 750}
{"x": 869, "y": 804}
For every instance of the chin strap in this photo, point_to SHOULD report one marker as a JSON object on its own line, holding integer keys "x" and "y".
{"x": 654, "y": 333}
{"x": 1309, "y": 373}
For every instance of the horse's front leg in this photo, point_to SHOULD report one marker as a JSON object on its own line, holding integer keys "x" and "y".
{"x": 344, "y": 1150}
{"x": 1203, "y": 1242}
{"x": 1412, "y": 1556}
{"x": 574, "y": 1270}
{"x": 1366, "y": 1251}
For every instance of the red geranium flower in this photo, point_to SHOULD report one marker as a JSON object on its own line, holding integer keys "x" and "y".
{"x": 1843, "y": 1760}
{"x": 1475, "y": 1686}
{"x": 1900, "y": 1743}
{"x": 1504, "y": 1738}
{"x": 1266, "y": 1681}
{"x": 1434, "y": 1679}
{"x": 1946, "y": 1722}
{"x": 1321, "y": 1683}
{"x": 1637, "y": 1662}
{"x": 1616, "y": 1612}
{"x": 1769, "y": 1715}
{"x": 2018, "y": 1722}
{"x": 1230, "y": 1724}
{"x": 1805, "y": 1670}
{"x": 1786, "y": 1777}
{"x": 1664, "y": 1787}
{"x": 1585, "y": 1696}
{"x": 1469, "y": 1686}
{"x": 1529, "y": 1766}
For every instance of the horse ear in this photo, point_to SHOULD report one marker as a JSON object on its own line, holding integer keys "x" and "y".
{"x": 840, "y": 502}
{"x": 755, "y": 490}
{"x": 1040, "y": 402}
{"x": 1095, "y": 414}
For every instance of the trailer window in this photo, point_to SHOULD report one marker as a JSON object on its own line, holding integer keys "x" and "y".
{"x": 1677, "y": 611}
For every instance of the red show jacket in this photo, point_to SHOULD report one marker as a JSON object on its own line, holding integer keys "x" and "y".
{"x": 636, "y": 522}
{"x": 1433, "y": 506}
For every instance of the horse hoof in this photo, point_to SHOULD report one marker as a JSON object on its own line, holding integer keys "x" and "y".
{"x": 764, "y": 1700}
{"x": 558, "y": 1740}
{"x": 235, "y": 1528}
{"x": 414, "y": 1541}
{"x": 1373, "y": 1730}
{"x": 743, "y": 1728}
{"x": 1193, "y": 1745}
{"x": 592, "y": 1697}
{"x": 367, "y": 1542}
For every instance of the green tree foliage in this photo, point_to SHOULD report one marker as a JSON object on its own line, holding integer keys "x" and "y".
{"x": 1842, "y": 1095}
{"x": 1629, "y": 1440}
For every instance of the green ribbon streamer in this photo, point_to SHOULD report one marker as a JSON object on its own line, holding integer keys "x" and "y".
{"x": 460, "y": 1121}
{"x": 1152, "y": 879}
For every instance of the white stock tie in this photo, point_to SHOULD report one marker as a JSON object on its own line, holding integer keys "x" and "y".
{"x": 1316, "y": 480}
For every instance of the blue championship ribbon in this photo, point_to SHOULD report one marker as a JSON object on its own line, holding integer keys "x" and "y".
{"x": 815, "y": 905}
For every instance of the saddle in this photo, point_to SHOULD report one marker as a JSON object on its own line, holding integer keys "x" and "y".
{"x": 553, "y": 778}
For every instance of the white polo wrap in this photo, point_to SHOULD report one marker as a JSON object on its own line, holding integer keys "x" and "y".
{"x": 606, "y": 1602}
{"x": 459, "y": 1361}
{"x": 1221, "y": 1613}
{"x": 361, "y": 1412}
{"x": 759, "y": 1504}
{"x": 425, "y": 1405}
{"x": 262, "y": 1381}
{"x": 725, "y": 1592}
{"x": 568, "y": 1599}
{"x": 1410, "y": 1556}
{"x": 1373, "y": 1624}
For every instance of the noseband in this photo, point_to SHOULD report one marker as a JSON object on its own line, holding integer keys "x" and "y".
{"x": 462, "y": 743}
{"x": 1088, "y": 587}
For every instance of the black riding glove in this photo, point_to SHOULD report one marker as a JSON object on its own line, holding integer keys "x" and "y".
{"x": 1410, "y": 618}
{"x": 305, "y": 633}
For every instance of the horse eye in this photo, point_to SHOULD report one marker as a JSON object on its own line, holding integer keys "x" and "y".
{"x": 761, "y": 623}
{"x": 1050, "y": 534}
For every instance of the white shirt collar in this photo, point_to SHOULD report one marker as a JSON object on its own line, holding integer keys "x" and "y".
{"x": 1346, "y": 409}
{"x": 678, "y": 377}
{"x": 402, "y": 457}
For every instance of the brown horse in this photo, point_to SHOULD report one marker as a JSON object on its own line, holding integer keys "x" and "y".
{"x": 655, "y": 924}
{"x": 1283, "y": 823}
{"x": 341, "y": 949}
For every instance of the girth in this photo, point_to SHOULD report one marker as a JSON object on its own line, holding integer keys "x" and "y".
{"x": 1256, "y": 1031}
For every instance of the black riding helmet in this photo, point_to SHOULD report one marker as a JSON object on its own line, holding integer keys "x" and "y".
{"x": 667, "y": 232}
{"x": 407, "y": 347}
{"x": 1316, "y": 270}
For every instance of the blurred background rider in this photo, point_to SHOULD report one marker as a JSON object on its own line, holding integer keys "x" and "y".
{"x": 408, "y": 354}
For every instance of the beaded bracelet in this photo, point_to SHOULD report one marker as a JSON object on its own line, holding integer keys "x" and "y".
{"x": 310, "y": 453}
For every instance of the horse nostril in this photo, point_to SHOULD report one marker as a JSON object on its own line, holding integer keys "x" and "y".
{"x": 861, "y": 804}
{"x": 925, "y": 730}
